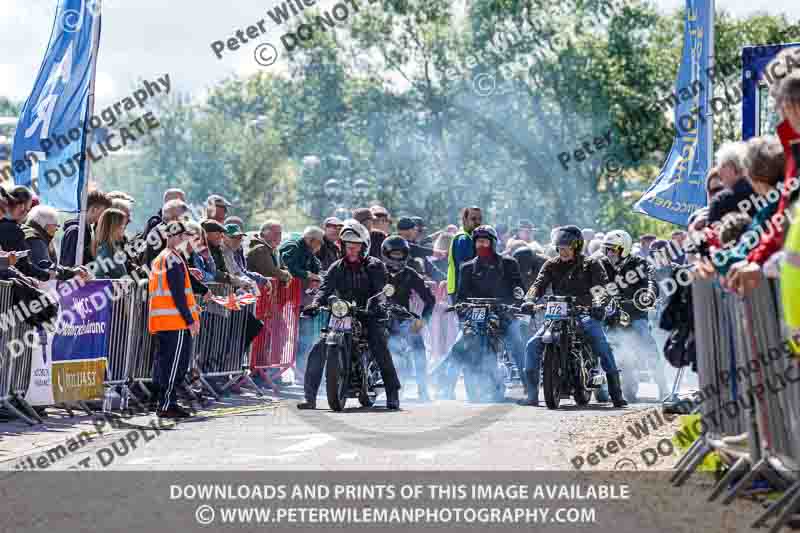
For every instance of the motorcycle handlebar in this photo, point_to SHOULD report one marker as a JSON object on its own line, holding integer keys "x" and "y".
{"x": 504, "y": 307}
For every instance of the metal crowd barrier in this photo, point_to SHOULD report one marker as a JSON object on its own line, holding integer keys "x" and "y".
{"x": 218, "y": 351}
{"x": 139, "y": 365}
{"x": 750, "y": 385}
{"x": 276, "y": 344}
{"x": 128, "y": 320}
{"x": 15, "y": 364}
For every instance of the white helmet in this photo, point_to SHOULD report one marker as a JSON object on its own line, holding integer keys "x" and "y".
{"x": 620, "y": 239}
{"x": 353, "y": 231}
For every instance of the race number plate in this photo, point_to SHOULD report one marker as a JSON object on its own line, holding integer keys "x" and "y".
{"x": 479, "y": 313}
{"x": 556, "y": 310}
{"x": 341, "y": 324}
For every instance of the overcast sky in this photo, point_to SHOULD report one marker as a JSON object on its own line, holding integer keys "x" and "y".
{"x": 148, "y": 38}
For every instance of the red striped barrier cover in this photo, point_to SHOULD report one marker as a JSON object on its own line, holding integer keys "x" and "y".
{"x": 276, "y": 345}
{"x": 441, "y": 334}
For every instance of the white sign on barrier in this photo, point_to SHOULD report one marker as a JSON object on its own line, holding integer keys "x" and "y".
{"x": 40, "y": 389}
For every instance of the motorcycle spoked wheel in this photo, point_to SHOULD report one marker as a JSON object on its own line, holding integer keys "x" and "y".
{"x": 581, "y": 394}
{"x": 551, "y": 377}
{"x": 337, "y": 378}
{"x": 367, "y": 394}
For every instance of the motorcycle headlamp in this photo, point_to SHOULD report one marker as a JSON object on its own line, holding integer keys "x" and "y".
{"x": 339, "y": 308}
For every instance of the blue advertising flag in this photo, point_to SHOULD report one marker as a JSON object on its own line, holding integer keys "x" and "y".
{"x": 680, "y": 187}
{"x": 50, "y": 142}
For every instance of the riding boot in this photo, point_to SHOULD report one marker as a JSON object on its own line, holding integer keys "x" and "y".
{"x": 615, "y": 389}
{"x": 533, "y": 389}
{"x": 392, "y": 399}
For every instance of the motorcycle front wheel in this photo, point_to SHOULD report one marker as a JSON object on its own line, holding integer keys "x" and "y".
{"x": 551, "y": 374}
{"x": 367, "y": 394}
{"x": 336, "y": 378}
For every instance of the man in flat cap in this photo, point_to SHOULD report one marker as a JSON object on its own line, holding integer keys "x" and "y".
{"x": 365, "y": 217}
{"x": 217, "y": 208}
{"x": 330, "y": 252}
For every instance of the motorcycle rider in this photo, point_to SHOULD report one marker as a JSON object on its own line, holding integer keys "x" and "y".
{"x": 395, "y": 251}
{"x": 571, "y": 273}
{"x": 355, "y": 277}
{"x": 489, "y": 275}
{"x": 633, "y": 278}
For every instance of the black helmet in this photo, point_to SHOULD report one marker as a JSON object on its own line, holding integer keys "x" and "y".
{"x": 391, "y": 245}
{"x": 569, "y": 236}
{"x": 485, "y": 232}
{"x": 523, "y": 252}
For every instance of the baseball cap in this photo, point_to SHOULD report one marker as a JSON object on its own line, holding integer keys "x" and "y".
{"x": 212, "y": 226}
{"x": 218, "y": 201}
{"x": 234, "y": 220}
{"x": 362, "y": 214}
{"x": 333, "y": 221}
{"x": 233, "y": 230}
{"x": 405, "y": 223}
{"x": 525, "y": 224}
{"x": 418, "y": 222}
{"x": 379, "y": 211}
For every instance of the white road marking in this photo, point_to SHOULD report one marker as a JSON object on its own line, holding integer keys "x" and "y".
{"x": 312, "y": 441}
{"x": 346, "y": 456}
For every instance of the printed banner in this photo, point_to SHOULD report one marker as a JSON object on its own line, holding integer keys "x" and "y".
{"x": 50, "y": 141}
{"x": 80, "y": 344}
{"x": 680, "y": 187}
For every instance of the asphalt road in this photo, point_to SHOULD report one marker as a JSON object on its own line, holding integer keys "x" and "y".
{"x": 122, "y": 479}
{"x": 452, "y": 435}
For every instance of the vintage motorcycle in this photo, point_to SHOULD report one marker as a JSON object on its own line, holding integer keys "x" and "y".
{"x": 569, "y": 366}
{"x": 351, "y": 371}
{"x": 483, "y": 333}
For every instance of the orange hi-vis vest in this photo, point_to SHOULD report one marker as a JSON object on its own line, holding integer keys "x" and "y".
{"x": 163, "y": 313}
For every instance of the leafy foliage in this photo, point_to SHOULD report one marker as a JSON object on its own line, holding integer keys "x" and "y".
{"x": 400, "y": 92}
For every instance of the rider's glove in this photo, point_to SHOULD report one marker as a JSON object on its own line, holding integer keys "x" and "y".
{"x": 311, "y": 310}
{"x": 598, "y": 312}
{"x": 528, "y": 307}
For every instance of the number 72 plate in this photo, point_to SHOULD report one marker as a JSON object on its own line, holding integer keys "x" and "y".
{"x": 341, "y": 324}
{"x": 556, "y": 310}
